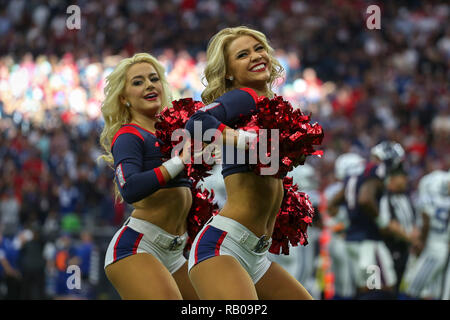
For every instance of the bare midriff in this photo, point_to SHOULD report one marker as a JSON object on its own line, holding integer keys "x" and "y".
{"x": 253, "y": 201}
{"x": 166, "y": 208}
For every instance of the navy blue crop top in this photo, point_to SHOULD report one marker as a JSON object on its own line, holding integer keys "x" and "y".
{"x": 137, "y": 158}
{"x": 226, "y": 111}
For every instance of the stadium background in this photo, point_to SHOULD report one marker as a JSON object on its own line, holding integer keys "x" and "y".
{"x": 361, "y": 85}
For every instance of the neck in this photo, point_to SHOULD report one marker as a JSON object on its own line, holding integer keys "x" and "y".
{"x": 148, "y": 123}
{"x": 262, "y": 90}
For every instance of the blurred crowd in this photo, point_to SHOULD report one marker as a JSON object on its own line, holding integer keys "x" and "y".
{"x": 56, "y": 201}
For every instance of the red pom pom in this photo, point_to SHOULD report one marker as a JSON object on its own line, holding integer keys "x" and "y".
{"x": 172, "y": 119}
{"x": 297, "y": 136}
{"x": 202, "y": 210}
{"x": 293, "y": 219}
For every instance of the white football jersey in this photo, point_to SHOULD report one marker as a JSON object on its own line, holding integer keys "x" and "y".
{"x": 437, "y": 208}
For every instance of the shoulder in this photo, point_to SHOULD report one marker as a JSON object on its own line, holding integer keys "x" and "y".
{"x": 374, "y": 171}
{"x": 241, "y": 93}
{"x": 128, "y": 133}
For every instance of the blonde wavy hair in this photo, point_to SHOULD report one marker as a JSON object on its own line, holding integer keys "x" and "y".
{"x": 115, "y": 113}
{"x": 216, "y": 65}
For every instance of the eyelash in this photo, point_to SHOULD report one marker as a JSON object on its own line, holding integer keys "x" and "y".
{"x": 244, "y": 53}
{"x": 139, "y": 82}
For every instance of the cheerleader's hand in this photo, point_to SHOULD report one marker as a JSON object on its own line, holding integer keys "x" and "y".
{"x": 185, "y": 154}
{"x": 217, "y": 154}
{"x": 212, "y": 153}
{"x": 245, "y": 139}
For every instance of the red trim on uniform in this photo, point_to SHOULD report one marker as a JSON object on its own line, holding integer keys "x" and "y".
{"x": 198, "y": 242}
{"x": 219, "y": 131}
{"x": 251, "y": 92}
{"x": 126, "y": 130}
{"x": 133, "y": 124}
{"x": 136, "y": 244}
{"x": 368, "y": 168}
{"x": 160, "y": 176}
{"x": 117, "y": 243}
{"x": 221, "y": 127}
{"x": 219, "y": 243}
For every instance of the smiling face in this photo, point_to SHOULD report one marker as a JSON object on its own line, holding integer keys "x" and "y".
{"x": 248, "y": 63}
{"x": 143, "y": 90}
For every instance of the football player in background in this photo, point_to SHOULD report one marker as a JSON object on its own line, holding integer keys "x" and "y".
{"x": 396, "y": 210}
{"x": 346, "y": 165}
{"x": 372, "y": 264}
{"x": 425, "y": 276}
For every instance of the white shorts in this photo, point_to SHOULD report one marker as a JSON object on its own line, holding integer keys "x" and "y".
{"x": 446, "y": 289}
{"x": 372, "y": 264}
{"x": 140, "y": 236}
{"x": 344, "y": 286}
{"x": 225, "y": 236}
{"x": 425, "y": 275}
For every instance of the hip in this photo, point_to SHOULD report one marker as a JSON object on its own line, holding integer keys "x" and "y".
{"x": 139, "y": 236}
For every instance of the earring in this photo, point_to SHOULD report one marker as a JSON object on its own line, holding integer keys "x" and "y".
{"x": 231, "y": 78}
{"x": 128, "y": 104}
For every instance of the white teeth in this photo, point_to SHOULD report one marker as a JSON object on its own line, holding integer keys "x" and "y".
{"x": 150, "y": 96}
{"x": 259, "y": 67}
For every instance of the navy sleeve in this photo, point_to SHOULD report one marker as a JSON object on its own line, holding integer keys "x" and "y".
{"x": 224, "y": 111}
{"x": 375, "y": 171}
{"x": 134, "y": 184}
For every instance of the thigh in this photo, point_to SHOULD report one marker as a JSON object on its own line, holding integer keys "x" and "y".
{"x": 222, "y": 278}
{"x": 142, "y": 277}
{"x": 446, "y": 283}
{"x": 431, "y": 273}
{"x": 363, "y": 255}
{"x": 184, "y": 283}
{"x": 419, "y": 275}
{"x": 385, "y": 261}
{"x": 353, "y": 258}
{"x": 278, "y": 284}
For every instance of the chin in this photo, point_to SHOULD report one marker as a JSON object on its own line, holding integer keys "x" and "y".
{"x": 257, "y": 83}
{"x": 153, "y": 105}
{"x": 263, "y": 78}
{"x": 152, "y": 111}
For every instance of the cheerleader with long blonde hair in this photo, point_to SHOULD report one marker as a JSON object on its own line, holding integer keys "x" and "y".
{"x": 234, "y": 244}
{"x": 144, "y": 259}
